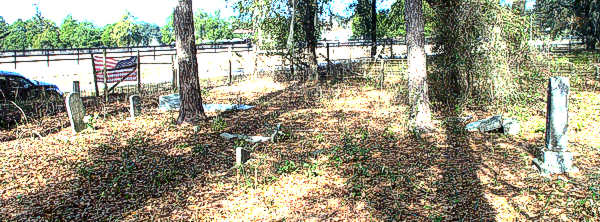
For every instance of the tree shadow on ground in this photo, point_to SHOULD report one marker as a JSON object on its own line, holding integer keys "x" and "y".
{"x": 117, "y": 179}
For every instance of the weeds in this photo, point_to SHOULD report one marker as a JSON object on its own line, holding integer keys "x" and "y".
{"x": 218, "y": 124}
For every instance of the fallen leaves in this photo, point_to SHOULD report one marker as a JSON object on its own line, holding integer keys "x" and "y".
{"x": 353, "y": 160}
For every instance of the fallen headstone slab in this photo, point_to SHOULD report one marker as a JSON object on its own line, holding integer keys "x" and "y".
{"x": 511, "y": 126}
{"x": 254, "y": 139}
{"x": 250, "y": 139}
{"x": 497, "y": 123}
{"x": 172, "y": 102}
{"x": 169, "y": 102}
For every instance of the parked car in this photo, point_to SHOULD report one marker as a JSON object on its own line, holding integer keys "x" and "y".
{"x": 16, "y": 87}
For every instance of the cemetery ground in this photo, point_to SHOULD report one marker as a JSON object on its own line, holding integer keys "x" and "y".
{"x": 345, "y": 153}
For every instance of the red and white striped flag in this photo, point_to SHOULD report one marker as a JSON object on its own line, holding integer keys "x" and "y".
{"x": 116, "y": 69}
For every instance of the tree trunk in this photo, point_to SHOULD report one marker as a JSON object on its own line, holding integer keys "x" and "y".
{"x": 420, "y": 113}
{"x": 373, "y": 28}
{"x": 191, "y": 100}
{"x": 290, "y": 41}
{"x": 590, "y": 43}
{"x": 309, "y": 31}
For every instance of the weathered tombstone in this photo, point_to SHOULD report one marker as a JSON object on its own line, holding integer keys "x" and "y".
{"x": 241, "y": 155}
{"x": 511, "y": 126}
{"x": 76, "y": 112}
{"x": 169, "y": 102}
{"x": 135, "y": 106}
{"x": 556, "y": 158}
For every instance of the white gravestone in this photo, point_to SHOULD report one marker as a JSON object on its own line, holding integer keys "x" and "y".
{"x": 76, "y": 112}
{"x": 556, "y": 158}
{"x": 135, "y": 106}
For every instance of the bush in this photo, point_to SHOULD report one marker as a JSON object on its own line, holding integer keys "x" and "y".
{"x": 478, "y": 41}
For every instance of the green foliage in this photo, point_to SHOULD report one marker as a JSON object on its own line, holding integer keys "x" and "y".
{"x": 571, "y": 17}
{"x": 271, "y": 21}
{"x": 478, "y": 42}
{"x": 167, "y": 32}
{"x": 390, "y": 22}
{"x": 75, "y": 34}
{"x": 123, "y": 33}
{"x": 211, "y": 26}
{"x": 286, "y": 167}
{"x": 218, "y": 124}
{"x": 39, "y": 32}
{"x": 17, "y": 37}
{"x": 207, "y": 26}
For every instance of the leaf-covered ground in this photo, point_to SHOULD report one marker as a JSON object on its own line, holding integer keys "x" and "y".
{"x": 345, "y": 154}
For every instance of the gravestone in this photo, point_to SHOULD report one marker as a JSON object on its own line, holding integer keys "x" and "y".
{"x": 76, "y": 112}
{"x": 241, "y": 156}
{"x": 556, "y": 158}
{"x": 169, "y": 102}
{"x": 135, "y": 106}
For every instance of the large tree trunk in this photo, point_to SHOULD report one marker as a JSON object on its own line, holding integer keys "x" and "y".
{"x": 290, "y": 41}
{"x": 309, "y": 31}
{"x": 590, "y": 43}
{"x": 191, "y": 101}
{"x": 420, "y": 113}
{"x": 373, "y": 28}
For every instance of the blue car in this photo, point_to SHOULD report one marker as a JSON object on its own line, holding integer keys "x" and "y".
{"x": 16, "y": 87}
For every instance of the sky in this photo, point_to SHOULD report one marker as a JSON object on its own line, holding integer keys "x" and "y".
{"x": 103, "y": 12}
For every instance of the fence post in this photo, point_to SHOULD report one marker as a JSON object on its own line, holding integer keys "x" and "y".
{"x": 328, "y": 61}
{"x": 95, "y": 79}
{"x": 105, "y": 77}
{"x": 139, "y": 72}
{"x": 174, "y": 85}
{"x": 392, "y": 49}
{"x": 76, "y": 88}
{"x": 230, "y": 71}
{"x": 382, "y": 79}
{"x": 15, "y": 58}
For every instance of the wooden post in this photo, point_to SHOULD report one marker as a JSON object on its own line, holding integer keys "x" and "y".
{"x": 94, "y": 75}
{"x": 230, "y": 71}
{"x": 48, "y": 58}
{"x": 78, "y": 56}
{"x": 105, "y": 77}
{"x": 76, "y": 88}
{"x": 139, "y": 73}
{"x": 174, "y": 72}
{"x": 328, "y": 61}
{"x": 392, "y": 49}
{"x": 382, "y": 79}
{"x": 15, "y": 58}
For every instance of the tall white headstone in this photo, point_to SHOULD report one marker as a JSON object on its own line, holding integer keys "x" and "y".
{"x": 556, "y": 158}
{"x": 135, "y": 106}
{"x": 76, "y": 112}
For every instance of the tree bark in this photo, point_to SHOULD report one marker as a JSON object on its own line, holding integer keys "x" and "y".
{"x": 191, "y": 100}
{"x": 373, "y": 28}
{"x": 290, "y": 41}
{"x": 420, "y": 113}
{"x": 309, "y": 36}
